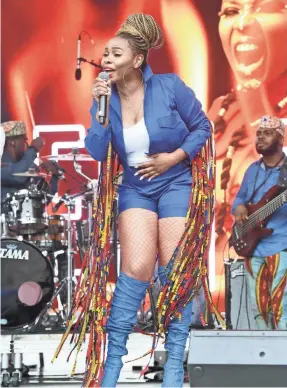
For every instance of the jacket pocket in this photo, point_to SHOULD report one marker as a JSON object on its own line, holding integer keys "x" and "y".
{"x": 169, "y": 121}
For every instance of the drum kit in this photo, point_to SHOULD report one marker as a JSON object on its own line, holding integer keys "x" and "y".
{"x": 37, "y": 261}
{"x": 37, "y": 251}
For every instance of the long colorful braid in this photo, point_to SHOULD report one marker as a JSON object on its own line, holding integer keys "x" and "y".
{"x": 187, "y": 268}
{"x": 90, "y": 305}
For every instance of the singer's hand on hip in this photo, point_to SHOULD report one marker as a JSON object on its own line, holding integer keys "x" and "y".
{"x": 158, "y": 165}
{"x": 101, "y": 88}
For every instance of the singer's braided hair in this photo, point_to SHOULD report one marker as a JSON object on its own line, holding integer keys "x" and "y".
{"x": 142, "y": 32}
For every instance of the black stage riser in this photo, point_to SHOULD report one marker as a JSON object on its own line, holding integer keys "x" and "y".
{"x": 237, "y": 359}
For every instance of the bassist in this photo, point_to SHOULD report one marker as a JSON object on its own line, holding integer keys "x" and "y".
{"x": 266, "y": 269}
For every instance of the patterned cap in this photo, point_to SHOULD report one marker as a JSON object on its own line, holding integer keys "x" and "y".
{"x": 272, "y": 122}
{"x": 14, "y": 128}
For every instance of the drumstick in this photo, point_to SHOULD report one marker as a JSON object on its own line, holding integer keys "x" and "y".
{"x": 31, "y": 115}
{"x": 35, "y": 134}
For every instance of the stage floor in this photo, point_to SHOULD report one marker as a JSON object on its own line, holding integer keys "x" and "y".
{"x": 58, "y": 373}
{"x": 60, "y": 384}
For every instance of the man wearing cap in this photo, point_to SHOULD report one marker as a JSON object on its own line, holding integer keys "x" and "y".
{"x": 18, "y": 157}
{"x": 266, "y": 270}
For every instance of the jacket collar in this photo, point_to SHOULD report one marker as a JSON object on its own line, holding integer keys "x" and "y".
{"x": 115, "y": 100}
{"x": 147, "y": 73}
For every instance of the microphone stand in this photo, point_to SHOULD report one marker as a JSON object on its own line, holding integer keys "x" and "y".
{"x": 93, "y": 185}
{"x": 69, "y": 202}
{"x": 81, "y": 59}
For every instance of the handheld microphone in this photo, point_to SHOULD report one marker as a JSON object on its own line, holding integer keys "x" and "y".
{"x": 103, "y": 100}
{"x": 78, "y": 72}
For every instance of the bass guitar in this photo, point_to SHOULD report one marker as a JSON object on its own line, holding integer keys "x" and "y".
{"x": 245, "y": 237}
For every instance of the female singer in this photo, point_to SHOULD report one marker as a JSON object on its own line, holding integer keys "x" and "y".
{"x": 157, "y": 127}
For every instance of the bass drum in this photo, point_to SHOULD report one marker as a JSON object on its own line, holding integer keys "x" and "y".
{"x": 27, "y": 283}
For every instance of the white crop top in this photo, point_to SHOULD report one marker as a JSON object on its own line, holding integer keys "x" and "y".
{"x": 137, "y": 142}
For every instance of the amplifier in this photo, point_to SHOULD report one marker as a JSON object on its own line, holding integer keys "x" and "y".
{"x": 237, "y": 302}
{"x": 199, "y": 308}
{"x": 237, "y": 358}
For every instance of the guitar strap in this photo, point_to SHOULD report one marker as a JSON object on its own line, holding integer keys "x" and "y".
{"x": 282, "y": 176}
{"x": 282, "y": 180}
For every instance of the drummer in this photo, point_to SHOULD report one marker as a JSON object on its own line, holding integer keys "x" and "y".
{"x": 19, "y": 157}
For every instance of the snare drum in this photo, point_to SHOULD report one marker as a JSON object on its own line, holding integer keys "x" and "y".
{"x": 56, "y": 224}
{"x": 27, "y": 283}
{"x": 49, "y": 242}
{"x": 28, "y": 212}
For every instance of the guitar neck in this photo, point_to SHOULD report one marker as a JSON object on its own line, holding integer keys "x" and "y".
{"x": 270, "y": 207}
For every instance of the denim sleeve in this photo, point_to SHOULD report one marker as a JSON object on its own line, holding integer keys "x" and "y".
{"x": 191, "y": 112}
{"x": 23, "y": 165}
{"x": 98, "y": 137}
{"x": 242, "y": 195}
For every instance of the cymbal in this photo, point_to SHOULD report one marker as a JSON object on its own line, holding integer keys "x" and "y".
{"x": 31, "y": 174}
{"x": 68, "y": 157}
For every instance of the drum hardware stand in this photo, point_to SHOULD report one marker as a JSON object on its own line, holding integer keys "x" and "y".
{"x": 66, "y": 281}
{"x": 63, "y": 283}
{"x": 7, "y": 376}
{"x": 57, "y": 280}
{"x": 69, "y": 202}
{"x": 148, "y": 320}
{"x": 92, "y": 185}
{"x": 14, "y": 206}
{"x": 228, "y": 294}
{"x": 80, "y": 239}
{"x": 4, "y": 231}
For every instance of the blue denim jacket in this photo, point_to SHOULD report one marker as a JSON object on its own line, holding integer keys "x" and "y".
{"x": 277, "y": 241}
{"x": 173, "y": 117}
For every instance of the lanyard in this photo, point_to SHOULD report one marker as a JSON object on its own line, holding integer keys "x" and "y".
{"x": 255, "y": 191}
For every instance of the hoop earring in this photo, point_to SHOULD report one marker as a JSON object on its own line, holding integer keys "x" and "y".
{"x": 133, "y": 90}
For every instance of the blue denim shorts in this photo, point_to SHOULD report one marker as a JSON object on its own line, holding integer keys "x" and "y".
{"x": 168, "y": 196}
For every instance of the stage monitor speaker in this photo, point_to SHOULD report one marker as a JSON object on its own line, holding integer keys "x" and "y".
{"x": 237, "y": 358}
{"x": 237, "y": 301}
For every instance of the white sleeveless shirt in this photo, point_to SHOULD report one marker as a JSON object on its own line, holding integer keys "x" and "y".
{"x": 137, "y": 143}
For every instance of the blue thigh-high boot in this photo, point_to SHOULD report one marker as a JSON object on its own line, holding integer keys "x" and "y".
{"x": 175, "y": 344}
{"x": 129, "y": 293}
